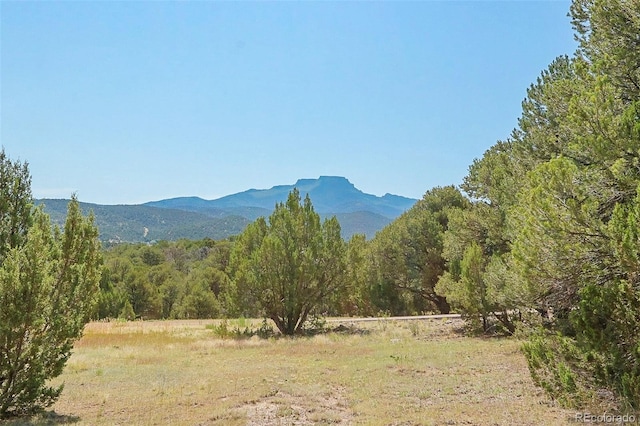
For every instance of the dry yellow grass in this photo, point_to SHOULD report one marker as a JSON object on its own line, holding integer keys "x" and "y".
{"x": 411, "y": 373}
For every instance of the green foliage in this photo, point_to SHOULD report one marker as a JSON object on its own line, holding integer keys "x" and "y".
{"x": 575, "y": 221}
{"x": 561, "y": 239}
{"x": 554, "y": 224}
{"x": 181, "y": 279}
{"x": 407, "y": 255}
{"x": 602, "y": 358}
{"x": 223, "y": 331}
{"x": 151, "y": 256}
{"x": 494, "y": 178}
{"x": 480, "y": 283}
{"x": 15, "y": 203}
{"x": 48, "y": 283}
{"x": 469, "y": 293}
{"x": 540, "y": 135}
{"x": 608, "y": 321}
{"x": 554, "y": 361}
{"x": 289, "y": 266}
{"x": 111, "y": 300}
{"x": 238, "y": 329}
{"x": 608, "y": 34}
{"x": 199, "y": 302}
{"x": 241, "y": 329}
{"x": 353, "y": 298}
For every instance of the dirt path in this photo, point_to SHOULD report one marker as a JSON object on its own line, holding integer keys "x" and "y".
{"x": 407, "y": 318}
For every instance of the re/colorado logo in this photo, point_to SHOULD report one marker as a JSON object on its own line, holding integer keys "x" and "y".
{"x": 605, "y": 418}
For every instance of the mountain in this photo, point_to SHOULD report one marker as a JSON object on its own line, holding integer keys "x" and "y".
{"x": 139, "y": 223}
{"x": 196, "y": 218}
{"x": 329, "y": 195}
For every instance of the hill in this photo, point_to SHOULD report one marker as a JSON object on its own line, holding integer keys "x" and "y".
{"x": 196, "y": 218}
{"x": 139, "y": 223}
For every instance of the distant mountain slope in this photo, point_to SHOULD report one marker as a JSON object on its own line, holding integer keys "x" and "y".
{"x": 366, "y": 223}
{"x": 139, "y": 223}
{"x": 329, "y": 194}
{"x": 196, "y": 218}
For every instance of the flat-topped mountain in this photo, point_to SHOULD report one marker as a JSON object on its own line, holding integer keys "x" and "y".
{"x": 329, "y": 195}
{"x": 196, "y": 218}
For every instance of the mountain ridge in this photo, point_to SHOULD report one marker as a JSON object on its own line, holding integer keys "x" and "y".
{"x": 329, "y": 194}
{"x": 196, "y": 218}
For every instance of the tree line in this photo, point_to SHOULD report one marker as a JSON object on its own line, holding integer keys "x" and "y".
{"x": 290, "y": 258}
{"x": 544, "y": 237}
{"x": 541, "y": 239}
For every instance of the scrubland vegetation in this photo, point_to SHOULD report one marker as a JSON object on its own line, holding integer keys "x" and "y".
{"x": 385, "y": 373}
{"x": 541, "y": 241}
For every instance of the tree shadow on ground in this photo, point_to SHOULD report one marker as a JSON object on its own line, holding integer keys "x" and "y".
{"x": 349, "y": 329}
{"x": 266, "y": 331}
{"x": 494, "y": 330}
{"x": 47, "y": 418}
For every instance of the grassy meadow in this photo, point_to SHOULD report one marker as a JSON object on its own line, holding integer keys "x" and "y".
{"x": 386, "y": 373}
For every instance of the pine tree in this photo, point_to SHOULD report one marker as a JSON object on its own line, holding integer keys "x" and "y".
{"x": 48, "y": 284}
{"x": 290, "y": 265}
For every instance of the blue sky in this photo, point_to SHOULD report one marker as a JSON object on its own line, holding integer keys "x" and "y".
{"x": 126, "y": 102}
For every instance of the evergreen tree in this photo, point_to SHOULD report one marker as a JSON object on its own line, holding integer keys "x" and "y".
{"x": 407, "y": 255}
{"x": 575, "y": 219}
{"x": 15, "y": 203}
{"x": 554, "y": 221}
{"x": 290, "y": 265}
{"x": 49, "y": 280}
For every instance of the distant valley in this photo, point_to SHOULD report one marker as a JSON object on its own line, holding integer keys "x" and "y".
{"x": 196, "y": 218}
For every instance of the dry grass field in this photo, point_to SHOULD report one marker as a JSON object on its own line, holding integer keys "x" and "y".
{"x": 385, "y": 373}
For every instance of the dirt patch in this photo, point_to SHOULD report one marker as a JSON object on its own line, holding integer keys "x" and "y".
{"x": 284, "y": 409}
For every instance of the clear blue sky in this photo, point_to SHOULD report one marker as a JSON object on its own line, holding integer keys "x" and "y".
{"x": 126, "y": 102}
